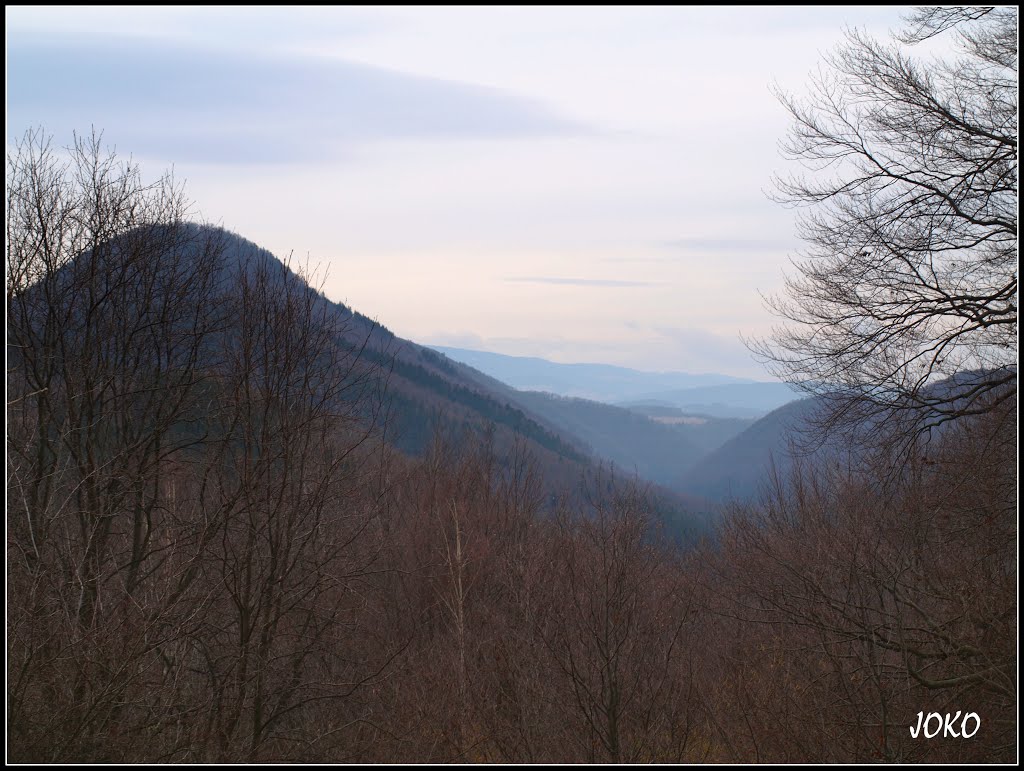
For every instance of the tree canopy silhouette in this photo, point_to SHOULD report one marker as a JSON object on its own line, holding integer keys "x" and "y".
{"x": 904, "y": 302}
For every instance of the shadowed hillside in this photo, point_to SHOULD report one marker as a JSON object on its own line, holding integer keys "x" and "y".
{"x": 736, "y": 469}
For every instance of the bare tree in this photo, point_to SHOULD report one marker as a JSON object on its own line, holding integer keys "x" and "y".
{"x": 281, "y": 489}
{"x": 905, "y": 301}
{"x": 878, "y": 589}
{"x": 111, "y": 303}
{"x": 617, "y": 631}
{"x": 187, "y": 450}
{"x": 840, "y": 609}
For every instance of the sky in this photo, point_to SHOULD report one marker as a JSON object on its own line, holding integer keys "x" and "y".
{"x": 583, "y": 185}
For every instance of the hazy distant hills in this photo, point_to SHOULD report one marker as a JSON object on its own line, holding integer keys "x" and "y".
{"x": 706, "y": 432}
{"x": 600, "y": 382}
{"x": 659, "y": 447}
{"x": 728, "y": 400}
{"x": 635, "y": 442}
{"x": 736, "y": 470}
{"x": 707, "y": 394}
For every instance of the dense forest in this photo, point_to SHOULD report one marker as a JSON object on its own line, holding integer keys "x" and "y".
{"x": 246, "y": 524}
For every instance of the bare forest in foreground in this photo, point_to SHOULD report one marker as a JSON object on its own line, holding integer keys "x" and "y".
{"x": 218, "y": 553}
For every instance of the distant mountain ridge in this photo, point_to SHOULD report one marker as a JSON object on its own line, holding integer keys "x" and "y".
{"x": 718, "y": 395}
{"x": 600, "y": 382}
{"x": 727, "y": 400}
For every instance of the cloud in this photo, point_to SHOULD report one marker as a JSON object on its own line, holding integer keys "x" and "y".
{"x": 731, "y": 244}
{"x": 229, "y": 106}
{"x": 601, "y": 282}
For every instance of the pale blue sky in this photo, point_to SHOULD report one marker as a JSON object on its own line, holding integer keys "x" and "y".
{"x": 582, "y": 185}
